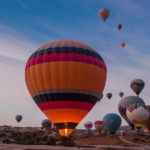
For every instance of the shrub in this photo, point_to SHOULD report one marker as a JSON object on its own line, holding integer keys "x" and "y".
{"x": 2, "y": 134}
{"x": 6, "y": 141}
{"x": 51, "y": 141}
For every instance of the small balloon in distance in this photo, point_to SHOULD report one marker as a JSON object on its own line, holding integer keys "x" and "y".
{"x": 119, "y": 26}
{"x": 104, "y": 14}
{"x": 122, "y": 44}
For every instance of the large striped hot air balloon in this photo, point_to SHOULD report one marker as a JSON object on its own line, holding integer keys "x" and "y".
{"x": 137, "y": 114}
{"x": 65, "y": 79}
{"x": 125, "y": 103}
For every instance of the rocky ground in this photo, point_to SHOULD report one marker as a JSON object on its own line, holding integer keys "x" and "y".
{"x": 79, "y": 138}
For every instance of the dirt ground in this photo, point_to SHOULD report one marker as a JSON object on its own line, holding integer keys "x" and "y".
{"x": 42, "y": 139}
{"x": 140, "y": 139}
{"x": 100, "y": 140}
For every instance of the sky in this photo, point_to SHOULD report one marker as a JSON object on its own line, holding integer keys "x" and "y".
{"x": 25, "y": 25}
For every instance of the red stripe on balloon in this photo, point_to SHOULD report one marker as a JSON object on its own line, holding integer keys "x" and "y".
{"x": 65, "y": 57}
{"x": 88, "y": 125}
{"x": 98, "y": 122}
{"x": 65, "y": 104}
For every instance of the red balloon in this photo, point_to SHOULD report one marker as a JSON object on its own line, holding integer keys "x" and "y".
{"x": 119, "y": 26}
{"x": 99, "y": 125}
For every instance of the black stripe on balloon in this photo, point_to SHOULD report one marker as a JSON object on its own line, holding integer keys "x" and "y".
{"x": 65, "y": 125}
{"x": 66, "y": 50}
{"x": 65, "y": 97}
{"x": 138, "y": 84}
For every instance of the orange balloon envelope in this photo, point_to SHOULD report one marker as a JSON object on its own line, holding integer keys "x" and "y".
{"x": 104, "y": 14}
{"x": 122, "y": 44}
{"x": 65, "y": 79}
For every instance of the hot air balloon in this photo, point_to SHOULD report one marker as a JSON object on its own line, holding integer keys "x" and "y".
{"x": 137, "y": 85}
{"x": 59, "y": 77}
{"x": 18, "y": 118}
{"x": 88, "y": 125}
{"x": 137, "y": 114}
{"x": 147, "y": 123}
{"x": 46, "y": 123}
{"x": 122, "y": 44}
{"x": 121, "y": 94}
{"x": 109, "y": 95}
{"x": 104, "y": 13}
{"x": 119, "y": 26}
{"x": 53, "y": 126}
{"x": 112, "y": 122}
{"x": 125, "y": 103}
{"x": 99, "y": 126}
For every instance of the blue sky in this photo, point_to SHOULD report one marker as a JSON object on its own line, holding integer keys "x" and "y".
{"x": 26, "y": 24}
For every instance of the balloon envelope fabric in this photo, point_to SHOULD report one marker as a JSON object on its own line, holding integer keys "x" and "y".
{"x": 65, "y": 79}
{"x": 137, "y": 114}
{"x": 46, "y": 123}
{"x": 125, "y": 103}
{"x": 112, "y": 122}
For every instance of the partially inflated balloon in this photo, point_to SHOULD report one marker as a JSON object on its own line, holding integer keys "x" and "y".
{"x": 88, "y": 125}
{"x": 99, "y": 126}
{"x": 109, "y": 95}
{"x": 137, "y": 114}
{"x": 125, "y": 103}
{"x": 147, "y": 123}
{"x": 137, "y": 85}
{"x": 122, "y": 44}
{"x": 119, "y": 26}
{"x": 46, "y": 123}
{"x": 104, "y": 13}
{"x": 121, "y": 94}
{"x": 112, "y": 122}
{"x": 65, "y": 79}
{"x": 18, "y": 118}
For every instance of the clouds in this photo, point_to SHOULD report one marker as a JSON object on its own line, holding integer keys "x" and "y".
{"x": 14, "y": 48}
{"x": 55, "y": 22}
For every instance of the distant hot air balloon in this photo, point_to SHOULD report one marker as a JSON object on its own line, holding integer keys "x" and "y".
{"x": 147, "y": 123}
{"x": 88, "y": 125}
{"x": 137, "y": 114}
{"x": 112, "y": 122}
{"x": 122, "y": 44}
{"x": 59, "y": 77}
{"x": 119, "y": 26}
{"x": 99, "y": 126}
{"x": 137, "y": 85}
{"x": 109, "y": 95}
{"x": 53, "y": 126}
{"x": 121, "y": 94}
{"x": 104, "y": 14}
{"x": 18, "y": 118}
{"x": 46, "y": 123}
{"x": 125, "y": 103}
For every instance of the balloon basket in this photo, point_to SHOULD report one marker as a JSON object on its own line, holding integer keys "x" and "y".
{"x": 66, "y": 141}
